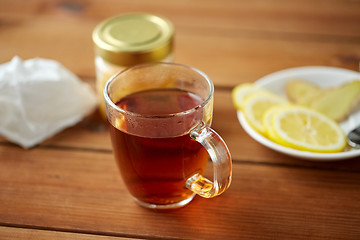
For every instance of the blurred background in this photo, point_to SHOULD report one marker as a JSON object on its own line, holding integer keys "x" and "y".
{"x": 252, "y": 34}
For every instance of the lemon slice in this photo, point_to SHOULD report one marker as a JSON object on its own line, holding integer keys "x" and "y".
{"x": 255, "y": 106}
{"x": 306, "y": 129}
{"x": 267, "y": 121}
{"x": 241, "y": 91}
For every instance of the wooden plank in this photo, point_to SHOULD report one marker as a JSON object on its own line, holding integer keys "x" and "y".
{"x": 70, "y": 184}
{"x": 201, "y": 38}
{"x": 7, "y": 233}
{"x": 82, "y": 191}
{"x": 331, "y": 17}
{"x": 247, "y": 58}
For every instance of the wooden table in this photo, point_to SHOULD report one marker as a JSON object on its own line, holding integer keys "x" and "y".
{"x": 69, "y": 186}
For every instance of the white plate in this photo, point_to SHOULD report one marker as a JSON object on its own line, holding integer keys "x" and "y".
{"x": 322, "y": 76}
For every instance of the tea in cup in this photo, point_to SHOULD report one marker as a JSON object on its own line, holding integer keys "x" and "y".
{"x": 160, "y": 116}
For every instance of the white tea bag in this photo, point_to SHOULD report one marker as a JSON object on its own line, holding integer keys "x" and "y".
{"x": 39, "y": 98}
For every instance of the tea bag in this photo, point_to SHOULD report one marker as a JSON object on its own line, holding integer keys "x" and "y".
{"x": 39, "y": 98}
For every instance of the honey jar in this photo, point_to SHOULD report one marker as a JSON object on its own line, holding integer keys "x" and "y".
{"x": 127, "y": 40}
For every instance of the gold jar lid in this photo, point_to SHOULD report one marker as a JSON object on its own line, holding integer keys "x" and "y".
{"x": 133, "y": 38}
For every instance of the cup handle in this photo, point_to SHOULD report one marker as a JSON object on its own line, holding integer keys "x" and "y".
{"x": 221, "y": 158}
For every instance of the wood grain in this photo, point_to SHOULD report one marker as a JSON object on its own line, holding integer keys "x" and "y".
{"x": 68, "y": 187}
{"x": 82, "y": 191}
{"x": 7, "y": 233}
{"x": 229, "y": 48}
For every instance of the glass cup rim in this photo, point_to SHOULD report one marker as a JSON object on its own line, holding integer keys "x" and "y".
{"x": 189, "y": 111}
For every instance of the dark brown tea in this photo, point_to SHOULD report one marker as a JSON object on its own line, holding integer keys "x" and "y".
{"x": 156, "y": 167}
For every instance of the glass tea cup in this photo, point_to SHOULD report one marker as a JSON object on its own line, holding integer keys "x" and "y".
{"x": 160, "y": 116}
